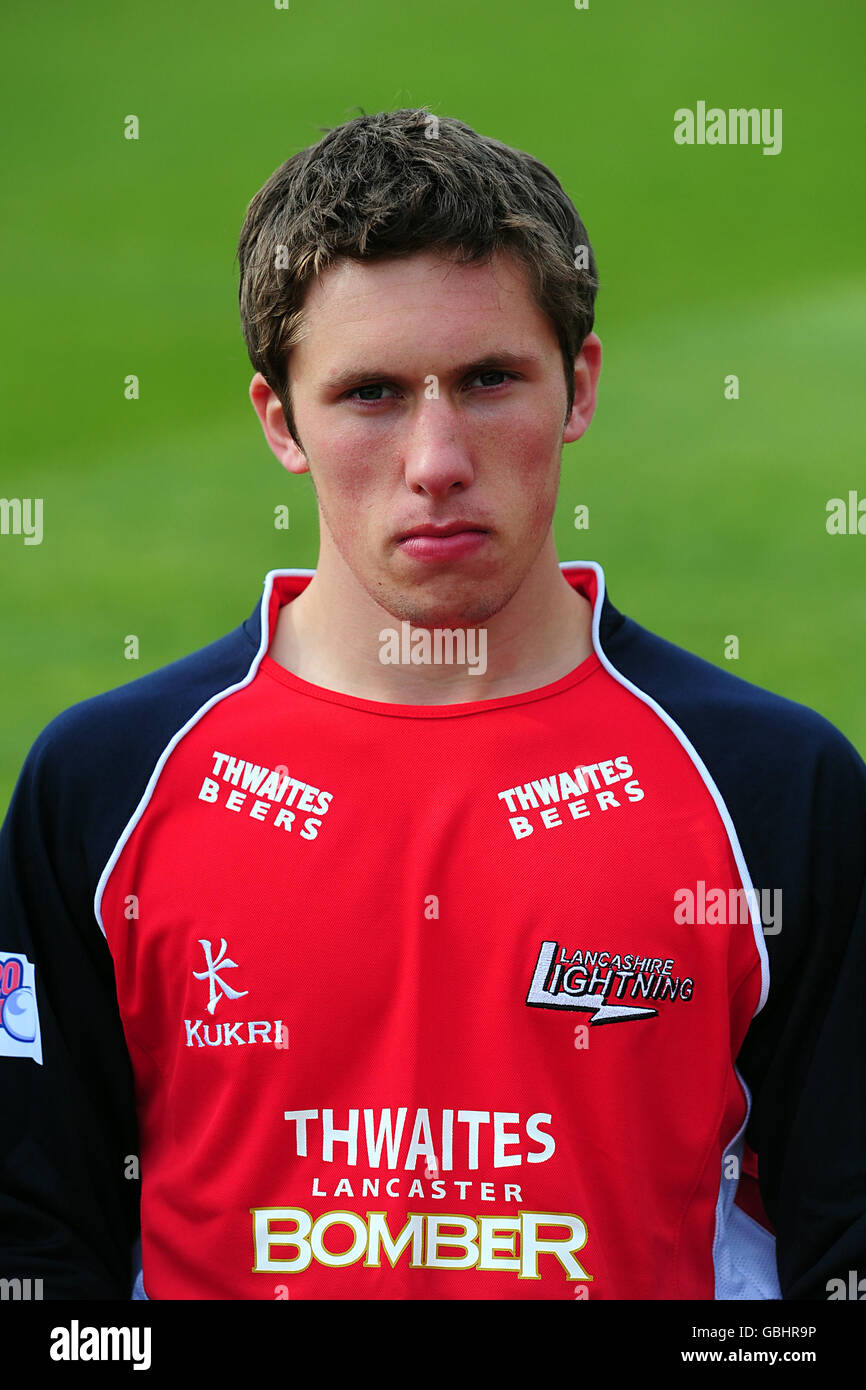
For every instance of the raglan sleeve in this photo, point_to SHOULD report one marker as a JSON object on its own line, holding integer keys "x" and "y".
{"x": 68, "y": 1145}
{"x": 804, "y": 1058}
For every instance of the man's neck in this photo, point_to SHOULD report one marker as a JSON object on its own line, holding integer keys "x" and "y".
{"x": 332, "y": 639}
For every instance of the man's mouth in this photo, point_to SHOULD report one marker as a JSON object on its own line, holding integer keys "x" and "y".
{"x": 441, "y": 528}
{"x": 449, "y": 541}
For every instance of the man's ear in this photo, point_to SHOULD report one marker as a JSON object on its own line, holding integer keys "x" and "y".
{"x": 587, "y": 368}
{"x": 267, "y": 405}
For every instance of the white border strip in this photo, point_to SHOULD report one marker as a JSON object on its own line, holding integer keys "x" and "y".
{"x": 729, "y": 1251}
{"x": 264, "y": 643}
{"x": 744, "y": 1265}
{"x": 751, "y": 896}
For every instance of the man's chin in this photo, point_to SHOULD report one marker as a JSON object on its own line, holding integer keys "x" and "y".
{"x": 476, "y": 605}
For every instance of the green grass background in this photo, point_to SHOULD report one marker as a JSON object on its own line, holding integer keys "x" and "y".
{"x": 708, "y": 515}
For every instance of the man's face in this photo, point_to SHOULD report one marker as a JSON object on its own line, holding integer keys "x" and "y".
{"x": 426, "y": 393}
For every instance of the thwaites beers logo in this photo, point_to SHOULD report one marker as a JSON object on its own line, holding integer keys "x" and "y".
{"x": 597, "y": 983}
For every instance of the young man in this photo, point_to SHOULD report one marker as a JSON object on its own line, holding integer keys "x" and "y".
{"x": 526, "y": 974}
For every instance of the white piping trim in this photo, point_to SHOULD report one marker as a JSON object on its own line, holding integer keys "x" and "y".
{"x": 264, "y": 643}
{"x": 725, "y": 1199}
{"x": 724, "y": 1213}
{"x": 751, "y": 896}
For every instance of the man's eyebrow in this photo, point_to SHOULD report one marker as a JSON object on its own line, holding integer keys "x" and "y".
{"x": 491, "y": 361}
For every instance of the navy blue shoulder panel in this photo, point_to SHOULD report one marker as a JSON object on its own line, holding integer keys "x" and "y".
{"x": 69, "y": 1188}
{"x": 766, "y": 753}
{"x": 795, "y": 789}
{"x": 104, "y": 748}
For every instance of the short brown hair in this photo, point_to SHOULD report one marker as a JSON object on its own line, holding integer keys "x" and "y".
{"x": 396, "y": 183}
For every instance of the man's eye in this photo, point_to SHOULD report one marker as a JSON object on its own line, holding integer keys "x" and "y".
{"x": 368, "y": 393}
{"x": 493, "y": 372}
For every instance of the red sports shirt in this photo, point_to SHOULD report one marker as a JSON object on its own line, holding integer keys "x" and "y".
{"x": 409, "y": 1008}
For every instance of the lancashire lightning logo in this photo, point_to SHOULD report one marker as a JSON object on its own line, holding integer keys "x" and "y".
{"x": 211, "y": 974}
{"x": 590, "y": 980}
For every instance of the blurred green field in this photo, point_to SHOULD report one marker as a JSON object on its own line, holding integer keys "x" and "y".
{"x": 708, "y": 515}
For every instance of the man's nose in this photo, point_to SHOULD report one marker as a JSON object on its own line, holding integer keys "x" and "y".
{"x": 436, "y": 449}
